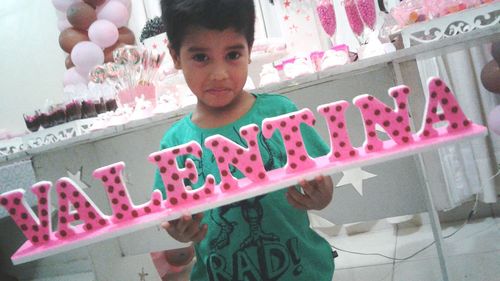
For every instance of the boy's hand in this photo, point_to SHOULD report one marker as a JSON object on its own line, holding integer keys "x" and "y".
{"x": 317, "y": 194}
{"x": 187, "y": 228}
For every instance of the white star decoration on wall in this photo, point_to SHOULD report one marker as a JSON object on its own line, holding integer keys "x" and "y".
{"x": 77, "y": 178}
{"x": 355, "y": 177}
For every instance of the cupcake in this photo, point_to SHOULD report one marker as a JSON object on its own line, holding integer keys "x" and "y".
{"x": 32, "y": 122}
{"x": 73, "y": 111}
{"x": 88, "y": 109}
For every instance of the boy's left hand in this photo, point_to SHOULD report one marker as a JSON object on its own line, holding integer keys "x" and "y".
{"x": 317, "y": 194}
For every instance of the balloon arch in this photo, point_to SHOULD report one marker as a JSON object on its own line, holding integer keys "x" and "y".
{"x": 90, "y": 32}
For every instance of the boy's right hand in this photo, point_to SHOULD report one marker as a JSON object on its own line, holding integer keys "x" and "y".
{"x": 187, "y": 228}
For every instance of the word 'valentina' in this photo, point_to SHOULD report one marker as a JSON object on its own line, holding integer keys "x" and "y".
{"x": 395, "y": 122}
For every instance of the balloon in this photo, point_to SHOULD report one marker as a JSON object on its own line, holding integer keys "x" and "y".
{"x": 81, "y": 15}
{"x": 69, "y": 64}
{"x": 490, "y": 77}
{"x": 104, "y": 33}
{"x": 86, "y": 55}
{"x": 126, "y": 36}
{"x": 63, "y": 5}
{"x": 495, "y": 51}
{"x": 63, "y": 24}
{"x": 108, "y": 52}
{"x": 115, "y": 12}
{"x": 70, "y": 37}
{"x": 494, "y": 120}
{"x": 94, "y": 3}
{"x": 72, "y": 77}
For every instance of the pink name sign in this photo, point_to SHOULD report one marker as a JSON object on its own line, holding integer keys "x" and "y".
{"x": 96, "y": 226}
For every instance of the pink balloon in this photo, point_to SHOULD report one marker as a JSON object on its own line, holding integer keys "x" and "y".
{"x": 85, "y": 55}
{"x": 72, "y": 77}
{"x": 62, "y": 5}
{"x": 115, "y": 12}
{"x": 104, "y": 33}
{"x": 63, "y": 24}
{"x": 494, "y": 120}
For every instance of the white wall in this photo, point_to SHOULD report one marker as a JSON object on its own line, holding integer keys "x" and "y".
{"x": 31, "y": 62}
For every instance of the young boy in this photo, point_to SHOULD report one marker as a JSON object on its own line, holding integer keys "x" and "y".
{"x": 267, "y": 237}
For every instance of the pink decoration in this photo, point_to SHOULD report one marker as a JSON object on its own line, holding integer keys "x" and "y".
{"x": 104, "y": 33}
{"x": 339, "y": 138}
{"x": 86, "y": 55}
{"x": 394, "y": 122}
{"x": 119, "y": 199}
{"x": 441, "y": 95}
{"x": 494, "y": 120}
{"x": 72, "y": 77}
{"x": 115, "y": 12}
{"x": 127, "y": 217}
{"x": 86, "y": 211}
{"x": 36, "y": 229}
{"x": 247, "y": 160}
{"x": 353, "y": 17}
{"x": 174, "y": 177}
{"x": 289, "y": 127}
{"x": 326, "y": 14}
{"x": 366, "y": 9}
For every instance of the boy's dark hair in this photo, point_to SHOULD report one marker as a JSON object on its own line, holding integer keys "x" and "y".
{"x": 178, "y": 15}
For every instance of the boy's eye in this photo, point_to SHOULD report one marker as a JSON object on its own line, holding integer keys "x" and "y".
{"x": 200, "y": 57}
{"x": 233, "y": 55}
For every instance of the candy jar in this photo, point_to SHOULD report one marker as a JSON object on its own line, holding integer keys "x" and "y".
{"x": 354, "y": 17}
{"x": 409, "y": 12}
{"x": 367, "y": 12}
{"x": 326, "y": 15}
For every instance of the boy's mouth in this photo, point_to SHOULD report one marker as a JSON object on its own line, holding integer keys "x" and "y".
{"x": 218, "y": 90}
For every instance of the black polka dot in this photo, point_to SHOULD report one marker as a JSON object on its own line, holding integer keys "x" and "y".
{"x": 148, "y": 210}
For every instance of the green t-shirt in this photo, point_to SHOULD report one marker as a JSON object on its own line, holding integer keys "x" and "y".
{"x": 262, "y": 238}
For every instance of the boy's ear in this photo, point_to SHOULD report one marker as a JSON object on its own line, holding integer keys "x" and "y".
{"x": 249, "y": 54}
{"x": 175, "y": 57}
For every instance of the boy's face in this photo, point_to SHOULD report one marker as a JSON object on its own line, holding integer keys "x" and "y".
{"x": 215, "y": 65}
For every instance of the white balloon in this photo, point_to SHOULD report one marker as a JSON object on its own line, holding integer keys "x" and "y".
{"x": 85, "y": 55}
{"x": 63, "y": 5}
{"x": 63, "y": 24}
{"x": 72, "y": 77}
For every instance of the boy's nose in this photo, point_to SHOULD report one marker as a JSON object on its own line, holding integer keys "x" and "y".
{"x": 219, "y": 72}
